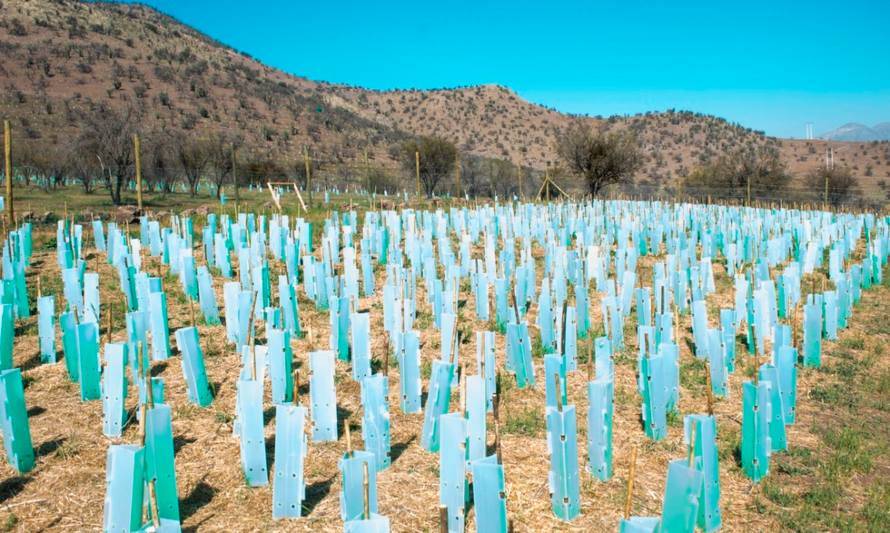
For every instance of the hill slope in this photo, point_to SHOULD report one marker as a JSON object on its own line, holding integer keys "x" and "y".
{"x": 62, "y": 58}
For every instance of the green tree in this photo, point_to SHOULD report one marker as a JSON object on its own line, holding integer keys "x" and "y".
{"x": 437, "y": 158}
{"x": 600, "y": 159}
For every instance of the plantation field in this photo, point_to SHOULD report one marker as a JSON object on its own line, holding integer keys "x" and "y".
{"x": 835, "y": 474}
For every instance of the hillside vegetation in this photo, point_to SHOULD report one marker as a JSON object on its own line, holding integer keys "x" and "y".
{"x": 64, "y": 60}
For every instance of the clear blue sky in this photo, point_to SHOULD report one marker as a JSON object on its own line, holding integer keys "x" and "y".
{"x": 770, "y": 65}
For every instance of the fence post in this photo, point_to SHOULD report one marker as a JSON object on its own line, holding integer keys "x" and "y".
{"x": 308, "y": 174}
{"x": 417, "y": 170}
{"x": 138, "y": 158}
{"x": 7, "y": 149}
{"x": 234, "y": 175}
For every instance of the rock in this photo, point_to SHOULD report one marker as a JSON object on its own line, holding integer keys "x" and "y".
{"x": 127, "y": 213}
{"x": 27, "y": 216}
{"x": 48, "y": 217}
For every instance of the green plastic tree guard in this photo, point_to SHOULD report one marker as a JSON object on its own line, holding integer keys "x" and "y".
{"x": 14, "y": 420}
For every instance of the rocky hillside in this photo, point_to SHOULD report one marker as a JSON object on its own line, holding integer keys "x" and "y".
{"x": 63, "y": 58}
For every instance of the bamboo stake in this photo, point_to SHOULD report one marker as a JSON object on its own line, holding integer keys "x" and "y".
{"x": 366, "y": 477}
{"x": 692, "y": 445}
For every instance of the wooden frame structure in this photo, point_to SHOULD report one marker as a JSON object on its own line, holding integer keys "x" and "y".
{"x": 277, "y": 199}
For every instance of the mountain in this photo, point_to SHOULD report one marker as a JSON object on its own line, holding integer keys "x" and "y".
{"x": 63, "y": 59}
{"x": 883, "y": 130}
{"x": 859, "y": 132}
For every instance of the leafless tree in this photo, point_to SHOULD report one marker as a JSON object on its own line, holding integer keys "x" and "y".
{"x": 158, "y": 165}
{"x": 221, "y": 148}
{"x": 107, "y": 135}
{"x": 192, "y": 156}
{"x": 839, "y": 180}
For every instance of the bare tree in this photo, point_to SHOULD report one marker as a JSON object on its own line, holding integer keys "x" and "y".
{"x": 601, "y": 159}
{"x": 50, "y": 163}
{"x": 107, "y": 135}
{"x": 158, "y": 165}
{"x": 193, "y": 156}
{"x": 759, "y": 168}
{"x": 220, "y": 151}
{"x": 437, "y": 157}
{"x": 839, "y": 181}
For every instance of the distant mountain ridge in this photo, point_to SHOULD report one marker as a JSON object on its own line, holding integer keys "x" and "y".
{"x": 853, "y": 131}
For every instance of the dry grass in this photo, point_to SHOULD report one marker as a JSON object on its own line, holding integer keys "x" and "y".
{"x": 66, "y": 489}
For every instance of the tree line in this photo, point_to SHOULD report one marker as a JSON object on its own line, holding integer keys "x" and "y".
{"x": 101, "y": 154}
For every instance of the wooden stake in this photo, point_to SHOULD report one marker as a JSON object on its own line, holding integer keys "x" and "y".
{"x": 296, "y": 386}
{"x": 417, "y": 170}
{"x": 590, "y": 362}
{"x": 558, "y": 392}
{"x": 39, "y": 292}
{"x": 708, "y": 386}
{"x": 191, "y": 308}
{"x": 153, "y": 502}
{"x": 110, "y": 318}
{"x": 7, "y": 151}
{"x": 348, "y": 437}
{"x": 692, "y": 445}
{"x": 138, "y": 161}
{"x": 443, "y": 519}
{"x": 628, "y": 500}
{"x": 234, "y": 177}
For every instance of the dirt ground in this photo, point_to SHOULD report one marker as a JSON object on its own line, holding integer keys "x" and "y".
{"x": 66, "y": 488}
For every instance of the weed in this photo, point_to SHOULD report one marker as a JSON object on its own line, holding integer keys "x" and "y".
{"x": 527, "y": 422}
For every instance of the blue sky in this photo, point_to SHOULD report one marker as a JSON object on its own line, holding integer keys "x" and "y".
{"x": 769, "y": 65}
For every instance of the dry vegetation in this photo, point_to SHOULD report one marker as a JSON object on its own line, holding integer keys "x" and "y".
{"x": 834, "y": 476}
{"x": 62, "y": 59}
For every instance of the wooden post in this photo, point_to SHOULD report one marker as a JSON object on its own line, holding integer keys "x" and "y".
{"x": 348, "y": 437}
{"x": 367, "y": 173}
{"x": 308, "y": 174}
{"x": 748, "y": 204}
{"x": 826, "y": 190}
{"x": 7, "y": 150}
{"x": 138, "y": 157}
{"x": 110, "y": 319}
{"x": 459, "y": 188}
{"x": 443, "y": 519}
{"x": 417, "y": 170}
{"x": 234, "y": 174}
{"x": 296, "y": 386}
{"x": 519, "y": 178}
